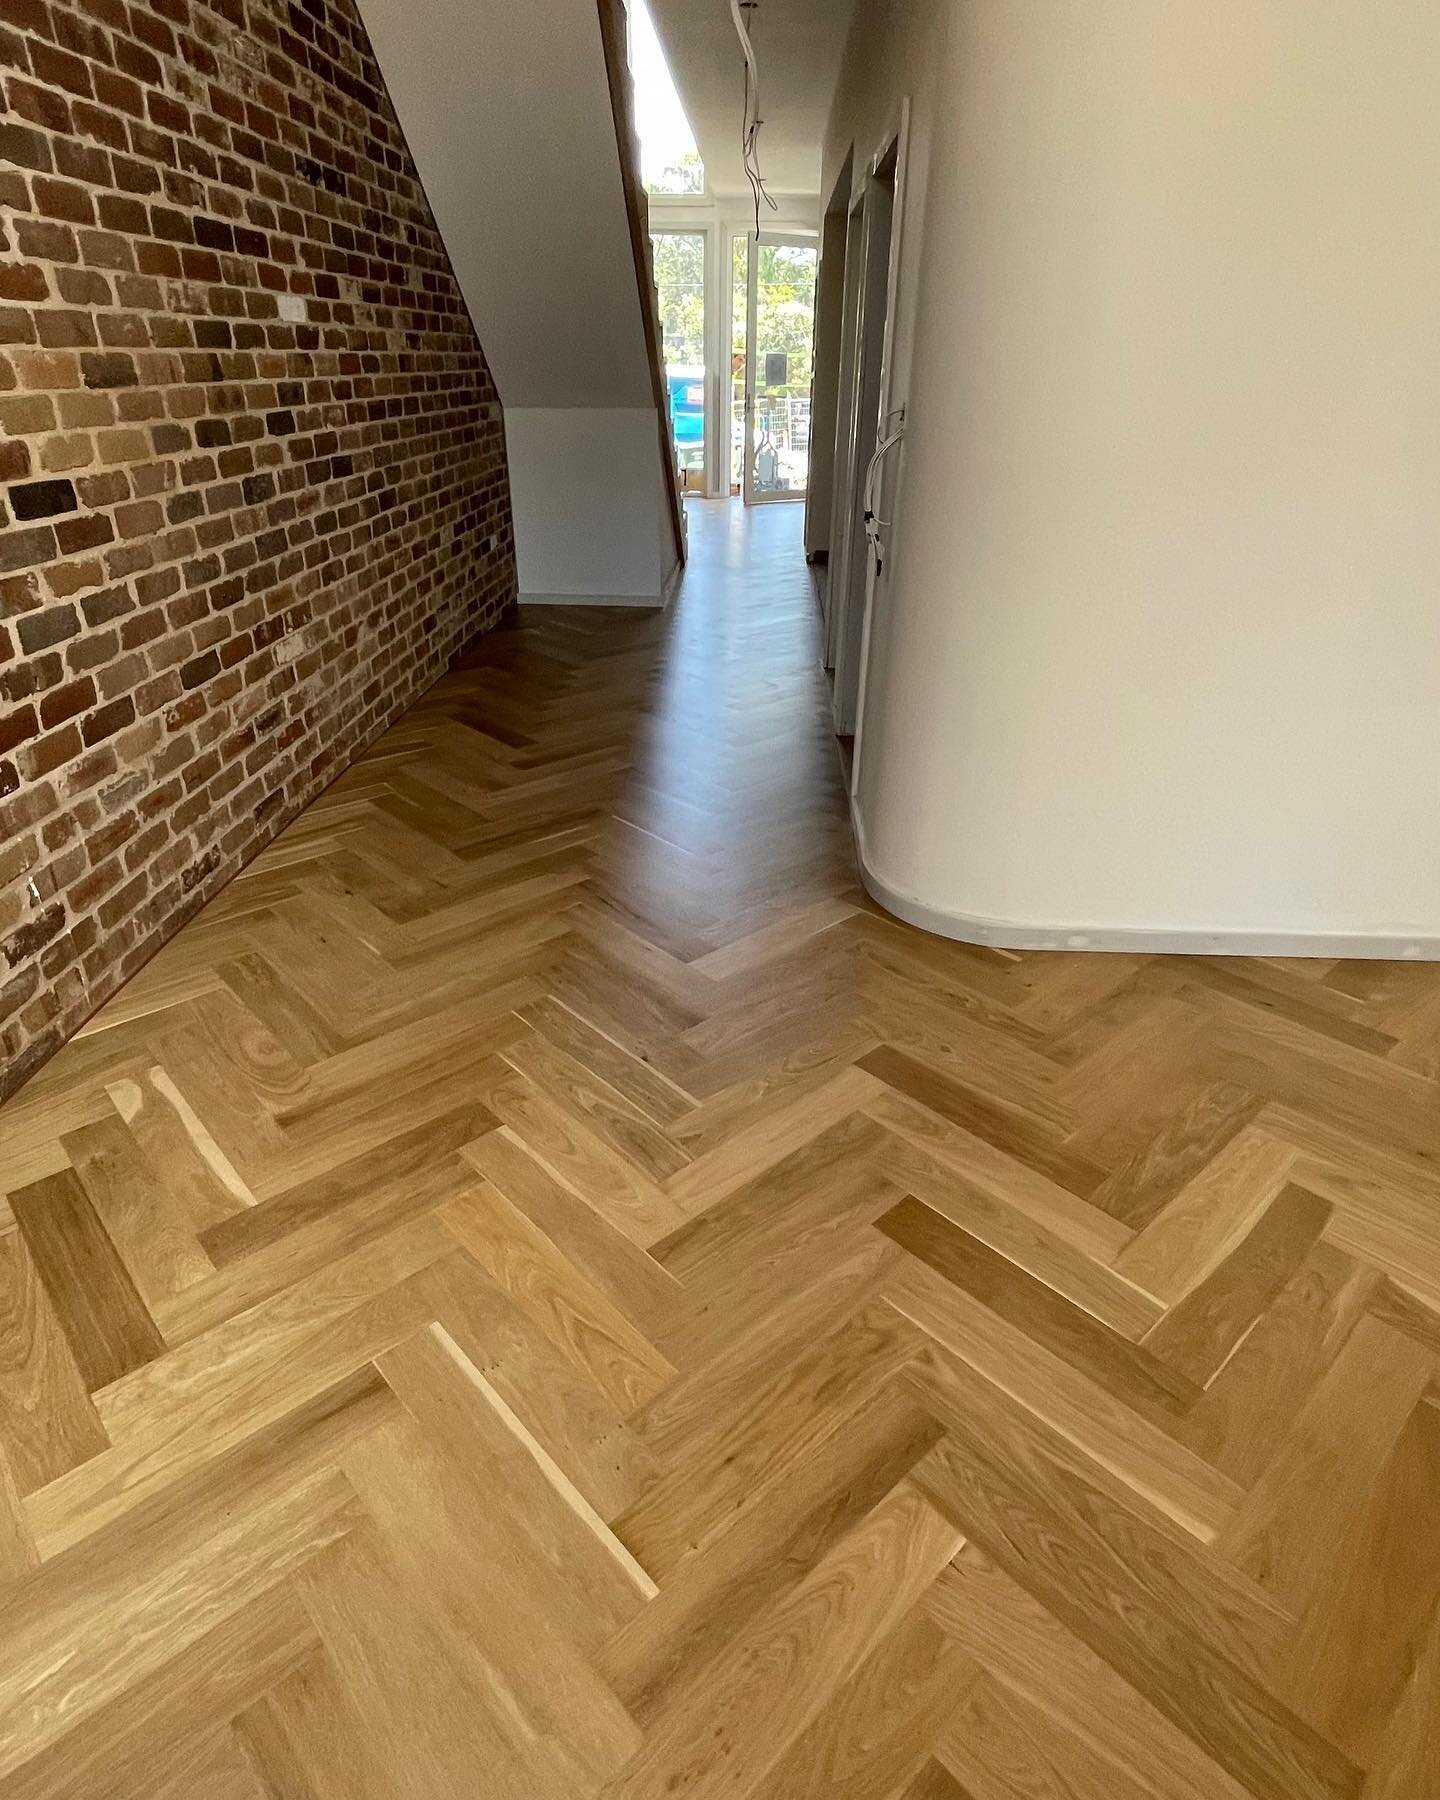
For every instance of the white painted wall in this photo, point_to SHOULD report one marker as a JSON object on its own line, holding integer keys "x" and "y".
{"x": 1159, "y": 649}
{"x": 507, "y": 113}
{"x": 586, "y": 506}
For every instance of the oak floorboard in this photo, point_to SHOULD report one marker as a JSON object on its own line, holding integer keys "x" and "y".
{"x": 1018, "y": 1641}
{"x": 727, "y": 1730}
{"x": 107, "y": 1325}
{"x": 1167, "y": 1628}
{"x": 48, "y": 1423}
{"x": 1003, "y": 1746}
{"x": 120, "y": 1745}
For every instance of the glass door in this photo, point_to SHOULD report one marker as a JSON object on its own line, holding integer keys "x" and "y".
{"x": 739, "y": 360}
{"x": 771, "y": 364}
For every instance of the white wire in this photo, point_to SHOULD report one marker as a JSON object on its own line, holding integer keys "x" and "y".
{"x": 750, "y": 126}
{"x": 873, "y": 524}
{"x": 738, "y": 16}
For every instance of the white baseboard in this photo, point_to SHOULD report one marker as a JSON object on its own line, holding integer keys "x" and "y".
{"x": 1007, "y": 934}
{"x": 653, "y": 601}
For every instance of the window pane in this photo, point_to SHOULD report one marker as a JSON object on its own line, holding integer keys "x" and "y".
{"x": 739, "y": 302}
{"x": 669, "y": 159}
{"x": 784, "y": 340}
{"x": 680, "y": 284}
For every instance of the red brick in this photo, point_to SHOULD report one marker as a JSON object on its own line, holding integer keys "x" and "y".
{"x": 17, "y": 727}
{"x": 48, "y": 753}
{"x": 23, "y": 281}
{"x": 66, "y": 702}
{"x": 107, "y": 720}
{"x": 83, "y": 287}
{"x": 25, "y": 147}
{"x": 17, "y": 326}
{"x": 14, "y": 460}
{"x": 45, "y": 241}
{"x": 47, "y": 370}
{"x": 29, "y": 939}
{"x": 65, "y": 200}
{"x": 75, "y": 450}
{"x": 60, "y": 69}
{"x": 64, "y": 327}
{"x": 38, "y": 106}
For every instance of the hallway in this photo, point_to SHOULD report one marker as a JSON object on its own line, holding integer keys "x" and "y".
{"x": 543, "y": 1290}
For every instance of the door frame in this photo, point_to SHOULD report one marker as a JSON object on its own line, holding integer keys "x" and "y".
{"x": 800, "y": 240}
{"x": 826, "y": 374}
{"x": 846, "y": 413}
{"x": 873, "y": 363}
{"x": 667, "y": 223}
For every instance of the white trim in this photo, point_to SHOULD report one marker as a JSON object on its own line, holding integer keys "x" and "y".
{"x": 798, "y": 240}
{"x": 897, "y": 143}
{"x": 721, "y": 221}
{"x": 849, "y": 610}
{"x": 677, "y": 574}
{"x": 705, "y": 229}
{"x": 1225, "y": 940}
{"x": 654, "y": 601}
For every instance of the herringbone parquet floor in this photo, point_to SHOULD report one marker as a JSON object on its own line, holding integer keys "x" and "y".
{"x": 542, "y": 1291}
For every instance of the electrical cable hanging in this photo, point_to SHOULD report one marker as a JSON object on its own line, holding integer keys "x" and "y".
{"x": 752, "y": 121}
{"x": 874, "y": 524}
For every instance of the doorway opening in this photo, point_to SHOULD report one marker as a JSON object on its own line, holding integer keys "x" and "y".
{"x": 772, "y": 312}
{"x": 825, "y": 387}
{"x": 863, "y": 420}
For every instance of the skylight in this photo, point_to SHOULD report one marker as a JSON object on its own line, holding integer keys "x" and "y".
{"x": 669, "y": 157}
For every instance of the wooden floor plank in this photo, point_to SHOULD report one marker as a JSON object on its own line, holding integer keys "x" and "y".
{"x": 1020, "y": 1136}
{"x": 1305, "y": 1504}
{"x": 743, "y": 1711}
{"x": 1138, "y": 1599}
{"x": 1140, "y": 1452}
{"x": 770, "y": 1543}
{"x": 48, "y": 1423}
{"x": 1408, "y": 1760}
{"x": 192, "y": 1568}
{"x": 138, "y": 1211}
{"x": 1365, "y": 1625}
{"x": 399, "y": 1667}
{"x": 1018, "y": 1641}
{"x": 1209, "y": 1216}
{"x": 443, "y": 1551}
{"x": 630, "y": 1278}
{"x": 106, "y": 1323}
{"x": 549, "y": 1523}
{"x": 1132, "y": 1374}
{"x": 795, "y": 1414}
{"x": 877, "y": 1730}
{"x": 1003, "y": 1746}
{"x": 118, "y": 1746}
{"x": 1196, "y": 1336}
{"x": 573, "y": 1313}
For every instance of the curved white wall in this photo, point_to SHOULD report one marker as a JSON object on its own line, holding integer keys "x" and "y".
{"x": 1159, "y": 649}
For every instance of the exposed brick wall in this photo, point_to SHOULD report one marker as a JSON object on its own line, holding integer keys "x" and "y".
{"x": 252, "y": 479}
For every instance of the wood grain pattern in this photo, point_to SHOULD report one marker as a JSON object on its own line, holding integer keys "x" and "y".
{"x": 47, "y": 1421}
{"x": 1196, "y": 1336}
{"x": 541, "y": 1289}
{"x": 108, "y": 1328}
